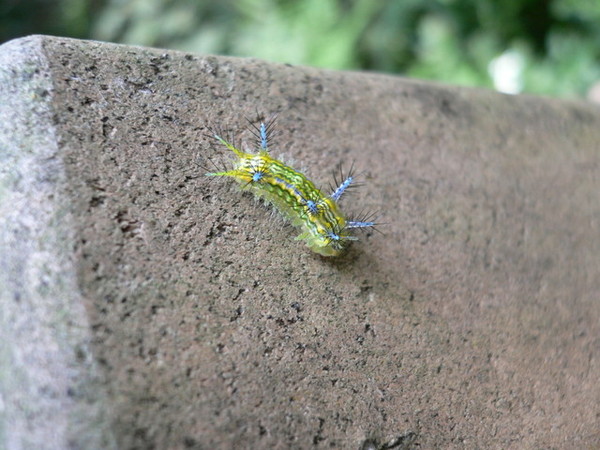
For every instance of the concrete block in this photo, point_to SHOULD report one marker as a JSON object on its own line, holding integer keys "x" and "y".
{"x": 143, "y": 305}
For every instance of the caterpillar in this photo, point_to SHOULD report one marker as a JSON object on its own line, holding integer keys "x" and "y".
{"x": 325, "y": 229}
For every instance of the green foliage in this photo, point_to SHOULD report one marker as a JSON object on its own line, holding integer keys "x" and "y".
{"x": 59, "y": 17}
{"x": 540, "y": 46}
{"x": 316, "y": 32}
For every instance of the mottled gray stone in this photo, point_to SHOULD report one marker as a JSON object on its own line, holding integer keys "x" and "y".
{"x": 51, "y": 393}
{"x": 145, "y": 306}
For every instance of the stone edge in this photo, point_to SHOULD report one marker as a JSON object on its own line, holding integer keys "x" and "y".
{"x": 51, "y": 393}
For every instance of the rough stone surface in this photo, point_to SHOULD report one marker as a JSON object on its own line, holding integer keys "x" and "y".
{"x": 52, "y": 394}
{"x": 145, "y": 306}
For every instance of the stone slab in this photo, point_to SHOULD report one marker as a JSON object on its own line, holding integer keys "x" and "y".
{"x": 146, "y": 306}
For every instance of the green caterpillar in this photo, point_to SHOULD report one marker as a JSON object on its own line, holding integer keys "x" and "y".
{"x": 324, "y": 228}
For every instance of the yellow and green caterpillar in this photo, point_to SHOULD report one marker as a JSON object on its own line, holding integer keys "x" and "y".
{"x": 324, "y": 228}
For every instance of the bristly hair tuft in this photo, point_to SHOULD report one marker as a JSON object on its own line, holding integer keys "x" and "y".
{"x": 343, "y": 181}
{"x": 265, "y": 134}
{"x": 215, "y": 133}
{"x": 363, "y": 220}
